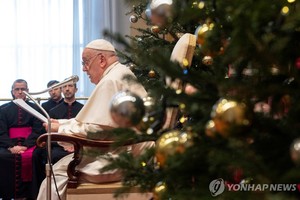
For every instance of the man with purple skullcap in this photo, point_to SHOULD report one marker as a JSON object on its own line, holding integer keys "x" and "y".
{"x": 100, "y": 62}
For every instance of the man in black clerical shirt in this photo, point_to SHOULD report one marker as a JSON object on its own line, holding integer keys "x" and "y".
{"x": 18, "y": 133}
{"x": 55, "y": 97}
{"x": 67, "y": 109}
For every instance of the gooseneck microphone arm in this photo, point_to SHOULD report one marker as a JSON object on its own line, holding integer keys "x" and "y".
{"x": 71, "y": 80}
{"x": 48, "y": 164}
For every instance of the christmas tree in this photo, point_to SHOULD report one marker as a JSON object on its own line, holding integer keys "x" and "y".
{"x": 231, "y": 102}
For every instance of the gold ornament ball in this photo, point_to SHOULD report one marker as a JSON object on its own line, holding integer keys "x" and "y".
{"x": 127, "y": 109}
{"x": 147, "y": 120}
{"x": 151, "y": 74}
{"x": 155, "y": 29}
{"x": 295, "y": 151}
{"x": 210, "y": 129}
{"x": 170, "y": 143}
{"x": 159, "y": 190}
{"x": 230, "y": 116}
{"x": 207, "y": 60}
{"x": 202, "y": 31}
{"x": 185, "y": 140}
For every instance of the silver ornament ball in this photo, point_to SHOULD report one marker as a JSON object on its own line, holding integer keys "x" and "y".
{"x": 127, "y": 109}
{"x": 133, "y": 19}
{"x": 207, "y": 60}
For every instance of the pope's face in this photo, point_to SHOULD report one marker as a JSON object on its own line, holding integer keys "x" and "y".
{"x": 92, "y": 64}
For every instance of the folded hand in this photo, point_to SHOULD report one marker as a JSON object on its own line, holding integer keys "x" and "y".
{"x": 17, "y": 149}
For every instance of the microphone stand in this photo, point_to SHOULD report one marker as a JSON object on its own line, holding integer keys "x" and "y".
{"x": 48, "y": 164}
{"x": 73, "y": 79}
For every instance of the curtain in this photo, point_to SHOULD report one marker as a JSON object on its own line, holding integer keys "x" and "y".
{"x": 99, "y": 15}
{"x": 42, "y": 40}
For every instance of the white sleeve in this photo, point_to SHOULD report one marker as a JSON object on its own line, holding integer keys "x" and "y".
{"x": 74, "y": 127}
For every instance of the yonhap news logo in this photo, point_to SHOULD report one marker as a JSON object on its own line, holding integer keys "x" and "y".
{"x": 217, "y": 187}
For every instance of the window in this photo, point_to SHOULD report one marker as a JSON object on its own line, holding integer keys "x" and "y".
{"x": 36, "y": 42}
{"x": 42, "y": 40}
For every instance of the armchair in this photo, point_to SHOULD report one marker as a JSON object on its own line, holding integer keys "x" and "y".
{"x": 77, "y": 190}
{"x": 79, "y": 143}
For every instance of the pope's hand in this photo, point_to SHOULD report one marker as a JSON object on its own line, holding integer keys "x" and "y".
{"x": 54, "y": 125}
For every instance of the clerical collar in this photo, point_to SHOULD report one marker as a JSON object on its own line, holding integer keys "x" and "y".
{"x": 70, "y": 103}
{"x": 58, "y": 102}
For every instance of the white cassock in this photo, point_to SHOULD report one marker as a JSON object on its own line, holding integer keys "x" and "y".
{"x": 95, "y": 112}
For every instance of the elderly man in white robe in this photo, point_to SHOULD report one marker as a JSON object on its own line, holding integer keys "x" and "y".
{"x": 104, "y": 70}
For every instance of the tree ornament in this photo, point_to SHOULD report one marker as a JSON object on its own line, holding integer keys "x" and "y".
{"x": 153, "y": 118}
{"x": 147, "y": 119}
{"x": 170, "y": 143}
{"x": 262, "y": 107}
{"x": 151, "y": 73}
{"x": 210, "y": 129}
{"x": 275, "y": 70}
{"x": 207, "y": 60}
{"x": 202, "y": 31}
{"x": 229, "y": 116}
{"x": 295, "y": 151}
{"x": 127, "y": 109}
{"x": 133, "y": 19}
{"x": 247, "y": 181}
{"x": 155, "y": 29}
{"x": 131, "y": 66}
{"x": 159, "y": 190}
{"x": 249, "y": 71}
{"x": 199, "y": 5}
{"x": 190, "y": 90}
{"x": 297, "y": 63}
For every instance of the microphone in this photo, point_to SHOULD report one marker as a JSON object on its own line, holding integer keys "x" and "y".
{"x": 71, "y": 80}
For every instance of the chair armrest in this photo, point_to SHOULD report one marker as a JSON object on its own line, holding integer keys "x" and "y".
{"x": 42, "y": 140}
{"x": 78, "y": 143}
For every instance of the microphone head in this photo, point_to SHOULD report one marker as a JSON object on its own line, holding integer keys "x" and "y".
{"x": 71, "y": 80}
{"x": 75, "y": 78}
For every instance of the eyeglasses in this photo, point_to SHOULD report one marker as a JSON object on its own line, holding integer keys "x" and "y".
{"x": 86, "y": 62}
{"x": 18, "y": 89}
